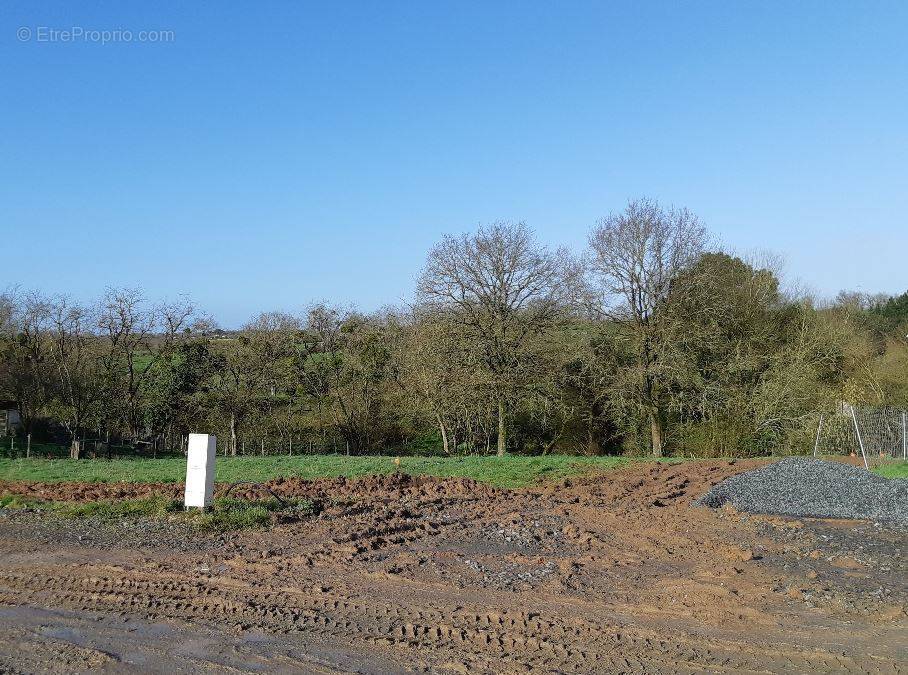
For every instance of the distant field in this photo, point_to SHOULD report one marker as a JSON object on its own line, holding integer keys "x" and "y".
{"x": 512, "y": 471}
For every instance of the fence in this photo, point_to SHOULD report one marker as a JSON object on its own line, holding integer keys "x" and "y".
{"x": 869, "y": 431}
{"x": 22, "y": 447}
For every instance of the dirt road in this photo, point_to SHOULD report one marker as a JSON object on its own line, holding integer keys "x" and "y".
{"x": 611, "y": 573}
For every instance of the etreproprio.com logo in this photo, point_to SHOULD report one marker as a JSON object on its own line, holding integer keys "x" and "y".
{"x": 91, "y": 35}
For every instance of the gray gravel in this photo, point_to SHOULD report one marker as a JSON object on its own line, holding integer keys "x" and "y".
{"x": 806, "y": 487}
{"x": 138, "y": 533}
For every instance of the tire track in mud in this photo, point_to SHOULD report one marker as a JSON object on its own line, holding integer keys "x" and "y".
{"x": 436, "y": 635}
{"x": 383, "y": 568}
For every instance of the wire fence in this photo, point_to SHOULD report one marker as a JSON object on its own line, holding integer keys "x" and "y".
{"x": 23, "y": 446}
{"x": 867, "y": 432}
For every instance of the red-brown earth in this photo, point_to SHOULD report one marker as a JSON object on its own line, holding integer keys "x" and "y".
{"x": 605, "y": 573}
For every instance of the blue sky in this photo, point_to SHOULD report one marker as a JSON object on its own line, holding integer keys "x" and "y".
{"x": 278, "y": 153}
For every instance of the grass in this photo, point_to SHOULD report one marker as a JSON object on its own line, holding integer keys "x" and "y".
{"x": 227, "y": 514}
{"x": 893, "y": 470}
{"x": 115, "y": 510}
{"x": 511, "y": 471}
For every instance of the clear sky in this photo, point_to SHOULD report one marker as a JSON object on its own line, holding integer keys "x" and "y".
{"x": 275, "y": 153}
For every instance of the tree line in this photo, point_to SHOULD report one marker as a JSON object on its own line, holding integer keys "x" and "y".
{"x": 652, "y": 341}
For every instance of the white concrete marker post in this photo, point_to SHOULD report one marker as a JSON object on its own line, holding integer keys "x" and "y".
{"x": 200, "y": 455}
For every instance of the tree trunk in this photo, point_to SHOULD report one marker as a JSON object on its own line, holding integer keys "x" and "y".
{"x": 75, "y": 449}
{"x": 593, "y": 446}
{"x": 502, "y": 433}
{"x": 656, "y": 430}
{"x": 444, "y": 434}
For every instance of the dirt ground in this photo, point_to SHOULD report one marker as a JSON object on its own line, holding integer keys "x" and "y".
{"x": 610, "y": 573}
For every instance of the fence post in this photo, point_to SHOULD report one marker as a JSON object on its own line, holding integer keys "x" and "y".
{"x": 816, "y": 443}
{"x": 28, "y": 444}
{"x": 904, "y": 436}
{"x": 860, "y": 441}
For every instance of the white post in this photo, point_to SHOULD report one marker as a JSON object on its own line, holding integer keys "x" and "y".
{"x": 904, "y": 436}
{"x": 200, "y": 458}
{"x": 816, "y": 443}
{"x": 861, "y": 442}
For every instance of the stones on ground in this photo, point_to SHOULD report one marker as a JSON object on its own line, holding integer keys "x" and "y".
{"x": 806, "y": 487}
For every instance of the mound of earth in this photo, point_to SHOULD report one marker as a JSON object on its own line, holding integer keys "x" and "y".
{"x": 813, "y": 488}
{"x": 80, "y": 491}
{"x": 391, "y": 486}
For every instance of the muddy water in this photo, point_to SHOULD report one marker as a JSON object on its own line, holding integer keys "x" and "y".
{"x": 35, "y": 638}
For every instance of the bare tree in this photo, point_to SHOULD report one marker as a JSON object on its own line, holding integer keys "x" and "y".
{"x": 504, "y": 287}
{"x": 439, "y": 371}
{"x": 7, "y": 311}
{"x": 636, "y": 256}
{"x": 127, "y": 324}
{"x": 179, "y": 316}
{"x": 174, "y": 357}
{"x": 74, "y": 352}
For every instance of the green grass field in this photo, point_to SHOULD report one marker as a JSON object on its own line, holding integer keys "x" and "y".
{"x": 512, "y": 471}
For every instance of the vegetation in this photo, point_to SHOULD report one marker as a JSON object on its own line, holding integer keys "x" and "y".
{"x": 652, "y": 342}
{"x": 226, "y": 514}
{"x": 513, "y": 471}
{"x": 894, "y": 470}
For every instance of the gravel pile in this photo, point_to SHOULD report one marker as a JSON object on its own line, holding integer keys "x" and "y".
{"x": 800, "y": 486}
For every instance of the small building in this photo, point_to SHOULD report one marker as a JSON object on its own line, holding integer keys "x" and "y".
{"x": 10, "y": 422}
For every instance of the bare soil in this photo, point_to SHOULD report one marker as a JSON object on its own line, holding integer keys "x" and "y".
{"x": 610, "y": 573}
